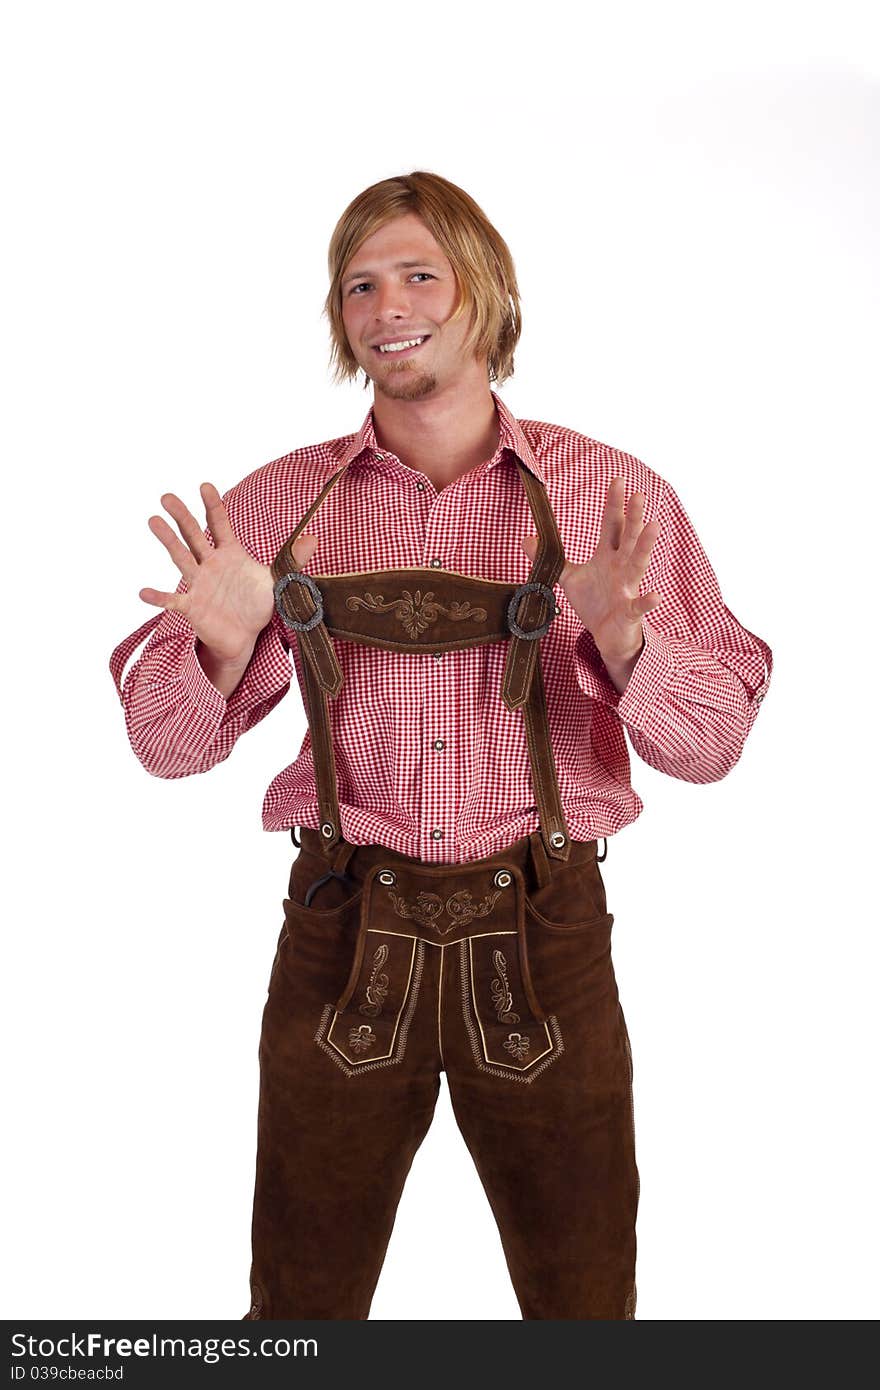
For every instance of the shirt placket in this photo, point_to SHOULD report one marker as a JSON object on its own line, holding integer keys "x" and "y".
{"x": 437, "y": 829}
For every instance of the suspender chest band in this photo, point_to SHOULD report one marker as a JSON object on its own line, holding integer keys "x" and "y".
{"x": 421, "y": 609}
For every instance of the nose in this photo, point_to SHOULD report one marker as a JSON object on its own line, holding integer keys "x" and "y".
{"x": 392, "y": 301}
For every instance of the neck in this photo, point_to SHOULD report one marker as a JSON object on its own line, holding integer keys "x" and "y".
{"x": 442, "y": 436}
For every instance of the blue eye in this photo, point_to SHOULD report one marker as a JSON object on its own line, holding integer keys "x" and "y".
{"x": 426, "y": 274}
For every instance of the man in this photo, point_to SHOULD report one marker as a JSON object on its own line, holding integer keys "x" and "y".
{"x": 491, "y": 610}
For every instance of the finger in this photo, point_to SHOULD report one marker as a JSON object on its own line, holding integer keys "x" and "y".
{"x": 159, "y": 599}
{"x": 182, "y": 557}
{"x": 632, "y": 526}
{"x": 217, "y": 515}
{"x": 612, "y": 517}
{"x": 189, "y": 528}
{"x": 646, "y": 603}
{"x": 304, "y": 548}
{"x": 640, "y": 557}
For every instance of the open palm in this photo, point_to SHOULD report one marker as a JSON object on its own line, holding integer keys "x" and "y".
{"x": 229, "y": 598}
{"x": 604, "y": 590}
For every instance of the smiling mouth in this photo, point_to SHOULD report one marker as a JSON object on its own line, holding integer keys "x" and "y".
{"x": 403, "y": 352}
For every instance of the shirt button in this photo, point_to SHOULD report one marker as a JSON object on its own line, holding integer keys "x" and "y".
{"x": 435, "y": 563}
{"x": 420, "y": 487}
{"x": 436, "y": 834}
{"x": 439, "y": 744}
{"x": 438, "y": 656}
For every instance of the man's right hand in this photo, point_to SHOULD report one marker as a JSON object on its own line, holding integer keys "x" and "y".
{"x": 229, "y": 597}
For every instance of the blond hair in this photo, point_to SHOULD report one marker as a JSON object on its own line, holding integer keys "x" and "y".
{"x": 479, "y": 256}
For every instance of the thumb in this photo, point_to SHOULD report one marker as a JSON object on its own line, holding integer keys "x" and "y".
{"x": 304, "y": 548}
{"x": 530, "y": 545}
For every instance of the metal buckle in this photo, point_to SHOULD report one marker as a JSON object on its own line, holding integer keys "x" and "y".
{"x": 298, "y": 577}
{"x": 512, "y": 606}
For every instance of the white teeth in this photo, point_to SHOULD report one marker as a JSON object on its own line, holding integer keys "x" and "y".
{"x": 399, "y": 347}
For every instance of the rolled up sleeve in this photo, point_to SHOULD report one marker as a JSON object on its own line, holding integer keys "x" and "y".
{"x": 177, "y": 722}
{"x": 695, "y": 691}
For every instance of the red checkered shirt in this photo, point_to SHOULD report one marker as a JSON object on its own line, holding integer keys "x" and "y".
{"x": 430, "y": 762}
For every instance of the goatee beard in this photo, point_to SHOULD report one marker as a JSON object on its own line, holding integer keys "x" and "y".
{"x": 406, "y": 387}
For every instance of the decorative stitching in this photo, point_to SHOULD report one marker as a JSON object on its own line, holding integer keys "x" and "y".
{"x": 377, "y": 988}
{"x": 360, "y": 1038}
{"x": 509, "y": 1073}
{"x": 402, "y": 1035}
{"x": 428, "y": 907}
{"x": 501, "y": 995}
{"x": 417, "y": 612}
{"x": 440, "y": 1005}
{"x": 517, "y": 1045}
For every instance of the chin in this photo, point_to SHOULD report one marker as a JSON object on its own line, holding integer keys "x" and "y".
{"x": 407, "y": 388}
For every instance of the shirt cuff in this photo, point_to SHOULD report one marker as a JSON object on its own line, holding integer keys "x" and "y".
{"x": 590, "y": 671}
{"x": 267, "y": 672}
{"x": 200, "y": 693}
{"x": 650, "y": 675}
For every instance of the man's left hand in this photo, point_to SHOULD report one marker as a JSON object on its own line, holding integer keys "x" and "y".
{"x": 604, "y": 591}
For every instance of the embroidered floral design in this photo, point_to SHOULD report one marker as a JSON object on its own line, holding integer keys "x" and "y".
{"x": 377, "y": 988}
{"x": 517, "y": 1044}
{"x": 462, "y": 907}
{"x": 428, "y": 908}
{"x": 501, "y": 995}
{"x": 417, "y": 611}
{"x": 362, "y": 1037}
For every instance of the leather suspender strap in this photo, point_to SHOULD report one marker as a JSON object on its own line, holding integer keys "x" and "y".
{"x": 551, "y": 818}
{"x": 522, "y": 652}
{"x": 523, "y": 678}
{"x": 314, "y": 642}
{"x": 322, "y": 757}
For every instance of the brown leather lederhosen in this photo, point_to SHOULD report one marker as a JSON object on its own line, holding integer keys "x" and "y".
{"x": 390, "y": 969}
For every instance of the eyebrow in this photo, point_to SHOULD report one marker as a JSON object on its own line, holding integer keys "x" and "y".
{"x": 401, "y": 265}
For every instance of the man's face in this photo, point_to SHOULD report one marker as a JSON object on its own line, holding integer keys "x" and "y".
{"x": 384, "y": 301}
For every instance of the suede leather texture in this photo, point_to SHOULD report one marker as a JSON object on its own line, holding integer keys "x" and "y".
{"x": 498, "y": 972}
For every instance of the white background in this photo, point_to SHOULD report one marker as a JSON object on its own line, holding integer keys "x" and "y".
{"x": 690, "y": 196}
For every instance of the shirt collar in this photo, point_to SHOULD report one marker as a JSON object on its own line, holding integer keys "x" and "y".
{"x": 511, "y": 438}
